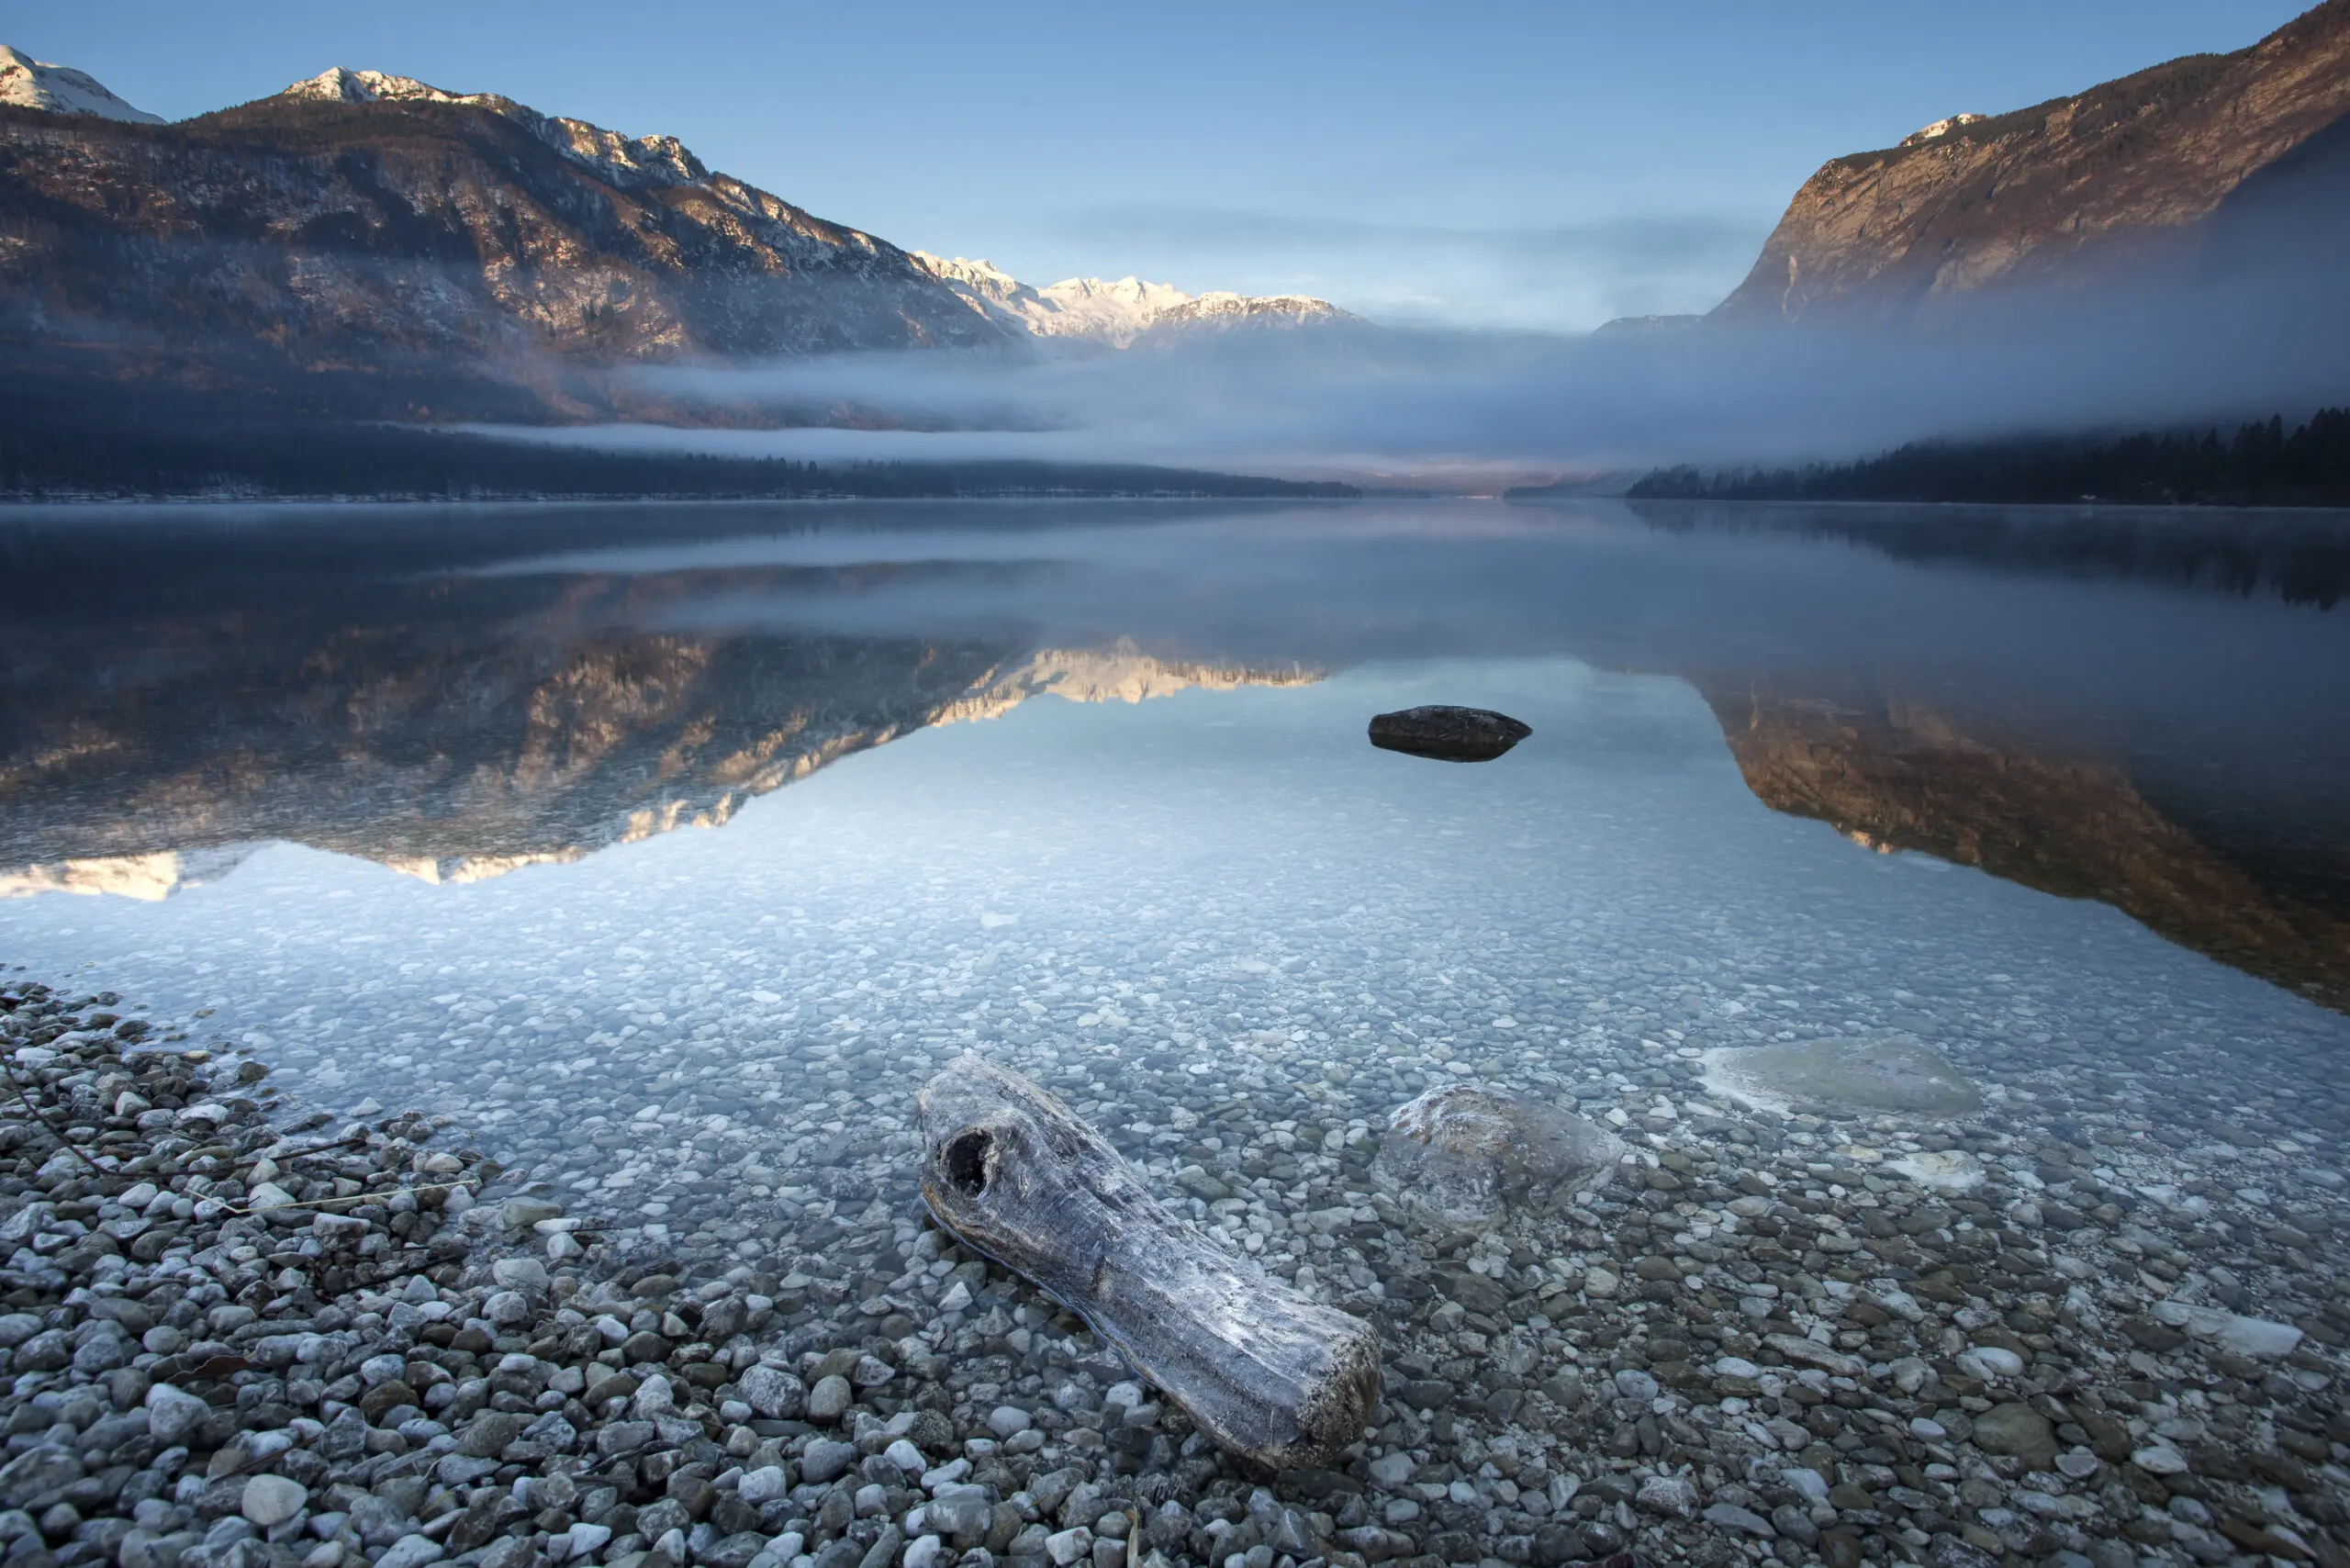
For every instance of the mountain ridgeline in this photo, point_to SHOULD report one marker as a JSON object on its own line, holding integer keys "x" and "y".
{"x": 2205, "y": 166}
{"x": 362, "y": 244}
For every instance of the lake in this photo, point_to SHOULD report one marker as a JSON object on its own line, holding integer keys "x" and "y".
{"x": 665, "y": 852}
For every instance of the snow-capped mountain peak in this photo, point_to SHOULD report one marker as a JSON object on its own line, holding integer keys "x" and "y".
{"x": 1112, "y": 311}
{"x": 339, "y": 85}
{"x": 659, "y": 160}
{"x": 29, "y": 83}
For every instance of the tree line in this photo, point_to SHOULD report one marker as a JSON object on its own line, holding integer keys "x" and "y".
{"x": 50, "y": 450}
{"x": 2264, "y": 464}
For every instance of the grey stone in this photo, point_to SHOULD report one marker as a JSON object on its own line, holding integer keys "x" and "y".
{"x": 1890, "y": 1072}
{"x": 411, "y": 1552}
{"x": 173, "y": 1414}
{"x": 830, "y": 1398}
{"x": 1731, "y": 1517}
{"x": 773, "y": 1393}
{"x": 826, "y": 1461}
{"x": 2020, "y": 1431}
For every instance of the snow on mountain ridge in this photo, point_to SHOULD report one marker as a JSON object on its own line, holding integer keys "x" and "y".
{"x": 1114, "y": 311}
{"x": 660, "y": 158}
{"x": 1940, "y": 129}
{"x": 29, "y": 83}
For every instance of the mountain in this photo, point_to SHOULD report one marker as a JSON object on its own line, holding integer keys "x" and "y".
{"x": 2156, "y": 170}
{"x": 365, "y": 244}
{"x": 373, "y": 234}
{"x": 29, "y": 83}
{"x": 1118, "y": 313}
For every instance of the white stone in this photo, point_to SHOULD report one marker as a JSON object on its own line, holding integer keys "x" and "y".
{"x": 272, "y": 1500}
{"x": 1989, "y": 1362}
{"x": 2258, "y": 1337}
{"x": 1950, "y": 1170}
{"x": 764, "y": 1484}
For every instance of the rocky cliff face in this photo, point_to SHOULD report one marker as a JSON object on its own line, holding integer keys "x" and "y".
{"x": 2096, "y": 186}
{"x": 1895, "y": 774}
{"x": 358, "y": 223}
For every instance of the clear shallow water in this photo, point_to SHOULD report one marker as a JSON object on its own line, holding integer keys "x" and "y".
{"x": 1218, "y": 896}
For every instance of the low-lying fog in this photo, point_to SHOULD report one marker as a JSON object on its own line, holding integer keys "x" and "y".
{"x": 1366, "y": 401}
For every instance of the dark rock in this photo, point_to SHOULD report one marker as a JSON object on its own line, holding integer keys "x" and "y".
{"x": 1448, "y": 733}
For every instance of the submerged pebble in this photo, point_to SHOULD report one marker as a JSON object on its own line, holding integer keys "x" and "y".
{"x": 697, "y": 1072}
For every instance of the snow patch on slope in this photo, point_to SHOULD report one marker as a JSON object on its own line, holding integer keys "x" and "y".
{"x": 1939, "y": 130}
{"x": 29, "y": 83}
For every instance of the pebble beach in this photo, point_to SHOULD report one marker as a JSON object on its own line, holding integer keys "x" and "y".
{"x": 241, "y": 1328}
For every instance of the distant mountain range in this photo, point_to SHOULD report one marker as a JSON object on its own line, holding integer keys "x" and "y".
{"x": 366, "y": 243}
{"x": 1118, "y": 313}
{"x": 2208, "y": 162}
{"x": 373, "y": 244}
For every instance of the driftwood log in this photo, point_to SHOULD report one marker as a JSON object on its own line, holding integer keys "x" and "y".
{"x": 1263, "y": 1372}
{"x": 1449, "y": 734}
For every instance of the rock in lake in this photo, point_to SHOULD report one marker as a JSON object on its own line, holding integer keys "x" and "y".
{"x": 1460, "y": 1153}
{"x": 1448, "y": 733}
{"x": 1894, "y": 1072}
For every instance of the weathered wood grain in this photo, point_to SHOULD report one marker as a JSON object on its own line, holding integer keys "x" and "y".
{"x": 1263, "y": 1372}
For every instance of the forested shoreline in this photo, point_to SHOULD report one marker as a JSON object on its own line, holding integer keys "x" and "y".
{"x": 2262, "y": 464}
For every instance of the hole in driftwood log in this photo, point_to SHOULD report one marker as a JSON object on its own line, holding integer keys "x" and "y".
{"x": 966, "y": 1164}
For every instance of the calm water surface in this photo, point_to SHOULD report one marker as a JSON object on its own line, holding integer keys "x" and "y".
{"x": 668, "y": 849}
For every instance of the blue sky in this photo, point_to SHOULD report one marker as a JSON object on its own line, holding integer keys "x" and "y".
{"x": 1520, "y": 164}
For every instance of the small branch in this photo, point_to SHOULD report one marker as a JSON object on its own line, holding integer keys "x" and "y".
{"x": 42, "y": 1117}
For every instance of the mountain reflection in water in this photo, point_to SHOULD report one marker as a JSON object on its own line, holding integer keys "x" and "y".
{"x": 2149, "y": 711}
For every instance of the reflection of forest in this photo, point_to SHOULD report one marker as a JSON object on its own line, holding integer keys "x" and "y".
{"x": 2302, "y": 558}
{"x": 1892, "y": 774}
